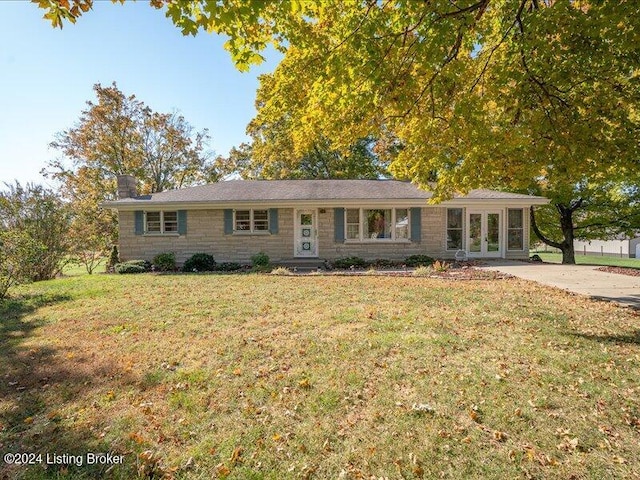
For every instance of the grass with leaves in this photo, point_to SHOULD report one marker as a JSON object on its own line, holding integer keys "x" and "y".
{"x": 278, "y": 377}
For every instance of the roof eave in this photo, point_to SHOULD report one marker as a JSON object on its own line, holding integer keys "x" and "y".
{"x": 357, "y": 202}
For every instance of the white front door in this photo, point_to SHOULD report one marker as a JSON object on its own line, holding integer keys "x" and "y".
{"x": 306, "y": 232}
{"x": 484, "y": 233}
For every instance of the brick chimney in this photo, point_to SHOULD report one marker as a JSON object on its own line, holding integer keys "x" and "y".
{"x": 127, "y": 186}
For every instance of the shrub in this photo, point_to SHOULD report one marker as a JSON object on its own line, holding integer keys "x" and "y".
{"x": 281, "y": 271}
{"x": 228, "y": 267}
{"x": 15, "y": 248}
{"x": 422, "y": 271}
{"x": 114, "y": 259}
{"x": 349, "y": 262}
{"x": 418, "y": 261}
{"x": 199, "y": 262}
{"x": 132, "y": 266}
{"x": 260, "y": 259}
{"x": 165, "y": 262}
{"x": 384, "y": 263}
{"x": 439, "y": 266}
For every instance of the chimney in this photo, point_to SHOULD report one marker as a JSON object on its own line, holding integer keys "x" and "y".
{"x": 127, "y": 186}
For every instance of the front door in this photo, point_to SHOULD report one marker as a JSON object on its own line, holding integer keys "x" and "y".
{"x": 306, "y": 232}
{"x": 484, "y": 233}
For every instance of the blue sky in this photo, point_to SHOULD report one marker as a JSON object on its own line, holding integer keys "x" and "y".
{"x": 47, "y": 75}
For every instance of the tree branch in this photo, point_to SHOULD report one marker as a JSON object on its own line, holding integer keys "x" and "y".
{"x": 537, "y": 231}
{"x": 495, "y": 47}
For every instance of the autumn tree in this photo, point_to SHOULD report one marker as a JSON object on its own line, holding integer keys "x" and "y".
{"x": 539, "y": 96}
{"x": 272, "y": 153}
{"x": 320, "y": 162}
{"x": 116, "y": 135}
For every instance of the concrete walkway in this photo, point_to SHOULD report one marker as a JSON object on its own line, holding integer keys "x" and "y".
{"x": 582, "y": 279}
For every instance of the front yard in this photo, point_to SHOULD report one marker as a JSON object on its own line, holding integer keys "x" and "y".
{"x": 258, "y": 376}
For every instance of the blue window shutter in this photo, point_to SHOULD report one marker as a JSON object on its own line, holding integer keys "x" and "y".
{"x": 182, "y": 222}
{"x": 338, "y": 217}
{"x": 228, "y": 221}
{"x": 273, "y": 221}
{"x": 416, "y": 224}
{"x": 139, "y": 222}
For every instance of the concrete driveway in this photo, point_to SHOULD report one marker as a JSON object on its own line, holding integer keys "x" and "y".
{"x": 583, "y": 279}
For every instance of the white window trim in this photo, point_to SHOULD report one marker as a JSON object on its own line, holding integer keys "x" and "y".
{"x": 521, "y": 228}
{"x": 252, "y": 230}
{"x": 462, "y": 229}
{"x": 361, "y": 235}
{"x": 162, "y": 231}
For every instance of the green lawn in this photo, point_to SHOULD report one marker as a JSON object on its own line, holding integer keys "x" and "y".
{"x": 258, "y": 376}
{"x": 592, "y": 260}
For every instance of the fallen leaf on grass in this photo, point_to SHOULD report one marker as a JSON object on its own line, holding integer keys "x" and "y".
{"x": 235, "y": 456}
{"x": 136, "y": 437}
{"x": 474, "y": 416}
{"x": 499, "y": 436}
{"x": 304, "y": 383}
{"x": 222, "y": 470}
{"x": 568, "y": 445}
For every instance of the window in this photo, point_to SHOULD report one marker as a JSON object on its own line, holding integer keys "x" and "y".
{"x": 261, "y": 220}
{"x": 402, "y": 223}
{"x": 515, "y": 229}
{"x": 161, "y": 222}
{"x": 454, "y": 229}
{"x": 377, "y": 224}
{"x": 170, "y": 222}
{"x": 353, "y": 224}
{"x": 251, "y": 221}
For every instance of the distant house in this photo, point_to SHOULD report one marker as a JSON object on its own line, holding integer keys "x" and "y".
{"x": 621, "y": 247}
{"x": 320, "y": 219}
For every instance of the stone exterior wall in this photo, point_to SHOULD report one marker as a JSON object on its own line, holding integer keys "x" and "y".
{"x": 432, "y": 242}
{"x": 205, "y": 233}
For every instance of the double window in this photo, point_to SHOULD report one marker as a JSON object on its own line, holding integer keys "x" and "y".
{"x": 251, "y": 221}
{"x": 377, "y": 224}
{"x": 161, "y": 222}
{"x": 515, "y": 229}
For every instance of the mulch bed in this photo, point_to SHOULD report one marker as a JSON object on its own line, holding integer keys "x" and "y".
{"x": 633, "y": 272}
{"x": 456, "y": 271}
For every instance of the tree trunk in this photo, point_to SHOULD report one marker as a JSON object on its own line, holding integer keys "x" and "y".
{"x": 566, "y": 224}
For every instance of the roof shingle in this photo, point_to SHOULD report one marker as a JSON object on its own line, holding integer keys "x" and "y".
{"x": 303, "y": 190}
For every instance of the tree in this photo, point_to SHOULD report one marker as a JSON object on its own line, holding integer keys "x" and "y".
{"x": 34, "y": 223}
{"x": 272, "y": 153}
{"x": 596, "y": 212}
{"x": 250, "y": 161}
{"x": 540, "y": 96}
{"x": 121, "y": 135}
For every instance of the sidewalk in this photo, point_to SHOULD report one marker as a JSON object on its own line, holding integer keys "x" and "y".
{"x": 582, "y": 279}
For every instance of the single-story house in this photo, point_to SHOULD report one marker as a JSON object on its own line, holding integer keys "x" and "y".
{"x": 292, "y": 220}
{"x": 620, "y": 247}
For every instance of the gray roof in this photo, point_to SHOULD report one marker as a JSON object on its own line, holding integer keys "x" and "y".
{"x": 301, "y": 190}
